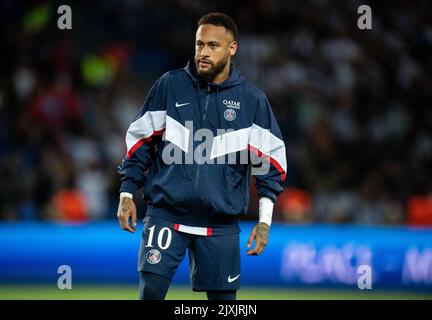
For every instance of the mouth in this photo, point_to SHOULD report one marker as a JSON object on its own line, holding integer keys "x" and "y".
{"x": 204, "y": 63}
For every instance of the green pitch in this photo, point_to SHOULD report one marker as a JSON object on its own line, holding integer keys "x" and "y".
{"x": 118, "y": 292}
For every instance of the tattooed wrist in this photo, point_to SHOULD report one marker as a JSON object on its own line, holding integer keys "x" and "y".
{"x": 126, "y": 203}
{"x": 263, "y": 231}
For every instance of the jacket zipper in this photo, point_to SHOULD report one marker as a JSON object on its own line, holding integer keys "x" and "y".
{"x": 203, "y": 120}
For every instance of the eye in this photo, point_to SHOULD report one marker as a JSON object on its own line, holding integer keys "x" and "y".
{"x": 213, "y": 46}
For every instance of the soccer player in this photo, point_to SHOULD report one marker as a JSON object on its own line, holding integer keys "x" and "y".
{"x": 193, "y": 204}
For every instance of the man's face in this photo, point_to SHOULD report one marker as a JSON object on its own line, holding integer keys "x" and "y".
{"x": 214, "y": 47}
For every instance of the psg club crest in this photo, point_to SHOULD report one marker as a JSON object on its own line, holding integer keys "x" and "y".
{"x": 153, "y": 256}
{"x": 229, "y": 114}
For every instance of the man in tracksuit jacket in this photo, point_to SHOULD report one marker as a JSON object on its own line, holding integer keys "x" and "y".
{"x": 193, "y": 147}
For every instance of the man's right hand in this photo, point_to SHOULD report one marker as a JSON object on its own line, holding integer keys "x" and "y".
{"x": 126, "y": 210}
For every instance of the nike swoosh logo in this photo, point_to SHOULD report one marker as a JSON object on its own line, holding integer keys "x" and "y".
{"x": 181, "y": 104}
{"x": 232, "y": 279}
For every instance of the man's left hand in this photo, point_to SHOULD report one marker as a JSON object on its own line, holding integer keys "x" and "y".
{"x": 260, "y": 234}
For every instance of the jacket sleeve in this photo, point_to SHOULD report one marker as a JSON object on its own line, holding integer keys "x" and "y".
{"x": 266, "y": 146}
{"x": 141, "y": 138}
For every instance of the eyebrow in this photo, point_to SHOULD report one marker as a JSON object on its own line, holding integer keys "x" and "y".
{"x": 210, "y": 42}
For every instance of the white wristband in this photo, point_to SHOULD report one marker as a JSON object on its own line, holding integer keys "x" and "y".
{"x": 266, "y": 210}
{"x": 126, "y": 195}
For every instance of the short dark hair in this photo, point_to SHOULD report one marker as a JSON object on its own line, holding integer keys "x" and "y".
{"x": 219, "y": 19}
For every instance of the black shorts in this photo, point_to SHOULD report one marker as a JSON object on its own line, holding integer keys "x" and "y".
{"x": 214, "y": 261}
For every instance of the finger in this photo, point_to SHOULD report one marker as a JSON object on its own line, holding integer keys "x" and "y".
{"x": 251, "y": 237}
{"x": 129, "y": 229}
{"x": 252, "y": 252}
{"x": 134, "y": 219}
{"x": 126, "y": 225}
{"x": 259, "y": 247}
{"x": 120, "y": 220}
{"x": 120, "y": 215}
{"x": 121, "y": 224}
{"x": 257, "y": 250}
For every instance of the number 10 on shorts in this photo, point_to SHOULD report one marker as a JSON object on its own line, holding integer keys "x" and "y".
{"x": 162, "y": 243}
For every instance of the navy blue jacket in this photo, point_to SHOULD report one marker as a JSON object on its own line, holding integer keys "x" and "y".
{"x": 190, "y": 190}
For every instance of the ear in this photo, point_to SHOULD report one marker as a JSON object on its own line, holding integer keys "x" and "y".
{"x": 232, "y": 48}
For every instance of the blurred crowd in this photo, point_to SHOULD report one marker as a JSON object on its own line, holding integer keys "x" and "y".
{"x": 354, "y": 106}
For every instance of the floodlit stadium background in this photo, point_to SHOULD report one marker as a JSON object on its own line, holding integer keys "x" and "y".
{"x": 354, "y": 107}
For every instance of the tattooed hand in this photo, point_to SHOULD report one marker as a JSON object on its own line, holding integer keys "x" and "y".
{"x": 260, "y": 234}
{"x": 127, "y": 210}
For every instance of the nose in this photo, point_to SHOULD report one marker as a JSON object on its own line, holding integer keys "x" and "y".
{"x": 204, "y": 52}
